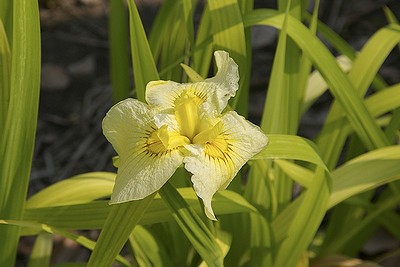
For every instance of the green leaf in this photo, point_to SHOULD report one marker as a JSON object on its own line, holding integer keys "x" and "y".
{"x": 316, "y": 84}
{"x": 229, "y": 35}
{"x": 390, "y": 16}
{"x": 80, "y": 239}
{"x": 41, "y": 252}
{"x": 283, "y": 99}
{"x": 144, "y": 68}
{"x": 203, "y": 51}
{"x": 148, "y": 249}
{"x": 364, "y": 69}
{"x": 374, "y": 212}
{"x": 92, "y": 215}
{"x": 192, "y": 226}
{"x": 77, "y": 189}
{"x": 365, "y": 172}
{"x": 5, "y": 67}
{"x": 119, "y": 52}
{"x": 120, "y": 223}
{"x": 298, "y": 173}
{"x": 305, "y": 62}
{"x": 290, "y": 147}
{"x": 306, "y": 221}
{"x": 18, "y": 131}
{"x": 191, "y": 73}
{"x": 70, "y": 264}
{"x": 6, "y": 17}
{"x": 341, "y": 87}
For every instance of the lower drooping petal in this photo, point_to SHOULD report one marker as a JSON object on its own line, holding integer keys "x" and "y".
{"x": 217, "y": 162}
{"x": 145, "y": 163}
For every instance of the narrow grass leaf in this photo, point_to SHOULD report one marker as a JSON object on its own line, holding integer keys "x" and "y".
{"x": 299, "y": 174}
{"x": 5, "y": 68}
{"x": 6, "y": 17}
{"x": 306, "y": 221}
{"x": 390, "y": 16}
{"x": 144, "y": 68}
{"x": 192, "y": 226}
{"x": 343, "y": 47}
{"x": 333, "y": 38}
{"x": 282, "y": 99}
{"x": 365, "y": 172}
{"x": 18, "y": 134}
{"x": 80, "y": 239}
{"x": 41, "y": 252}
{"x": 203, "y": 50}
{"x": 229, "y": 35}
{"x": 77, "y": 189}
{"x": 119, "y": 52}
{"x": 374, "y": 212}
{"x": 120, "y": 223}
{"x": 390, "y": 220}
{"x": 305, "y": 63}
{"x": 175, "y": 47}
{"x": 290, "y": 147}
{"x": 71, "y": 264}
{"x": 159, "y": 28}
{"x": 378, "y": 104}
{"x": 148, "y": 249}
{"x": 372, "y": 55}
{"x": 92, "y": 215}
{"x": 316, "y": 84}
{"x": 191, "y": 73}
{"x": 341, "y": 87}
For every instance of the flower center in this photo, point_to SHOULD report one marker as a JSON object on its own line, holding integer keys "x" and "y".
{"x": 187, "y": 113}
{"x": 162, "y": 140}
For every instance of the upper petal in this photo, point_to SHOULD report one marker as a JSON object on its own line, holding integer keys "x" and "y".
{"x": 216, "y": 90}
{"x": 227, "y": 78}
{"x": 215, "y": 166}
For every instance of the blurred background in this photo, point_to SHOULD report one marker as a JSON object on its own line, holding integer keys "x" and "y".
{"x": 76, "y": 90}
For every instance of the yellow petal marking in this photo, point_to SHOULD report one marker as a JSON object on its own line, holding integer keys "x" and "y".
{"x": 219, "y": 151}
{"x": 154, "y": 145}
{"x": 216, "y": 143}
{"x": 217, "y": 148}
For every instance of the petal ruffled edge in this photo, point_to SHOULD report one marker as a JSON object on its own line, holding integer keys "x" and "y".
{"x": 214, "y": 173}
{"x": 226, "y": 79}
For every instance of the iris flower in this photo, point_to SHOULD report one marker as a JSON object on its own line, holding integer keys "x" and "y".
{"x": 182, "y": 124}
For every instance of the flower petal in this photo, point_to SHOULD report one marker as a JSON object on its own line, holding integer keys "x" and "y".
{"x": 227, "y": 78}
{"x": 142, "y": 174}
{"x": 216, "y": 90}
{"x": 126, "y": 123}
{"x": 214, "y": 166}
{"x": 145, "y": 163}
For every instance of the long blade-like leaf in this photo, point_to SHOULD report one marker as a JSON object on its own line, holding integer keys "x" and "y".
{"x": 144, "y": 68}
{"x": 341, "y": 87}
{"x": 17, "y": 143}
{"x": 120, "y": 223}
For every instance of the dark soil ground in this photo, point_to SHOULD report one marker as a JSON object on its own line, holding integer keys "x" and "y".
{"x": 76, "y": 92}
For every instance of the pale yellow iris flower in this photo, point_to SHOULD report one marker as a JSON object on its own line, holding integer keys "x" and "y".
{"x": 182, "y": 124}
